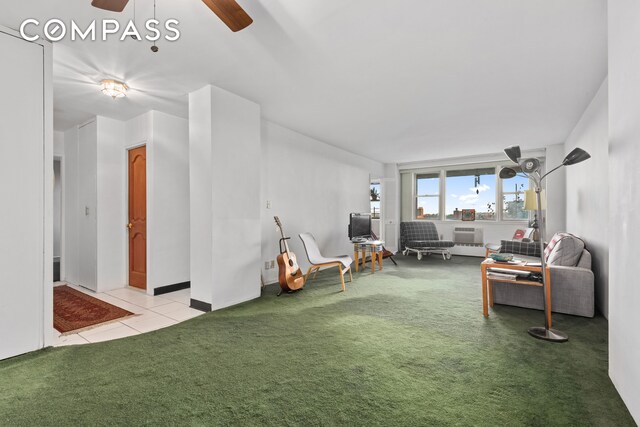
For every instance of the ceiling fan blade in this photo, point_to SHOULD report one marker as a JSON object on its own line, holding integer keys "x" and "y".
{"x": 110, "y": 5}
{"x": 230, "y": 13}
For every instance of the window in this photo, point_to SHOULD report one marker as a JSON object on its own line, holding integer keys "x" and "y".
{"x": 428, "y": 196}
{"x": 513, "y": 198}
{"x": 442, "y": 193}
{"x": 471, "y": 189}
{"x": 375, "y": 200}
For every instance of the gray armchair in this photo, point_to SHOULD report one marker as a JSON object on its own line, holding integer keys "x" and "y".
{"x": 421, "y": 238}
{"x": 572, "y": 281}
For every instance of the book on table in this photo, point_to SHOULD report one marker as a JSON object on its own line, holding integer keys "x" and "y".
{"x": 507, "y": 274}
{"x": 501, "y": 276}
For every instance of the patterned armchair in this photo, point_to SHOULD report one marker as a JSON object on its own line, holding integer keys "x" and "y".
{"x": 422, "y": 238}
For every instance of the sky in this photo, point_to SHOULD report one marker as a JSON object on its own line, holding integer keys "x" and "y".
{"x": 462, "y": 193}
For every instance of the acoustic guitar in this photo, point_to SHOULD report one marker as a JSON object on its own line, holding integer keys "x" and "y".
{"x": 289, "y": 275}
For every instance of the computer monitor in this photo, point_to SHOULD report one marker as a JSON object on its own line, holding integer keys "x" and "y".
{"x": 359, "y": 226}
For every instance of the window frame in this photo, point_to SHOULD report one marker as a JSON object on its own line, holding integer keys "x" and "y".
{"x": 470, "y": 168}
{"x": 441, "y": 172}
{"x": 417, "y": 196}
{"x": 379, "y": 184}
{"x": 504, "y": 193}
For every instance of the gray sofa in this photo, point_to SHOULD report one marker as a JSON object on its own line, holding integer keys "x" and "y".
{"x": 572, "y": 281}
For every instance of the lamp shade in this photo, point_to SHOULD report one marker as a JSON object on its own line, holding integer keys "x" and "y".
{"x": 576, "y": 156}
{"x": 513, "y": 153}
{"x": 506, "y": 173}
{"x": 531, "y": 201}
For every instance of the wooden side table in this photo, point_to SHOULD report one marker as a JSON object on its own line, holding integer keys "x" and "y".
{"x": 375, "y": 248}
{"x": 487, "y": 284}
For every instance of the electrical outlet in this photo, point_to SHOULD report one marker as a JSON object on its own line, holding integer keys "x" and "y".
{"x": 273, "y": 264}
{"x": 268, "y": 204}
{"x": 267, "y": 265}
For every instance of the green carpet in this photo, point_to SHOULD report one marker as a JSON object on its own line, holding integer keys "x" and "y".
{"x": 407, "y": 346}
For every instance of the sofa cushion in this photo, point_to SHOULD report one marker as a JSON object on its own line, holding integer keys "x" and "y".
{"x": 564, "y": 249}
{"x": 518, "y": 247}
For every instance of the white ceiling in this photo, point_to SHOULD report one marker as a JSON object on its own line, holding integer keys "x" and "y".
{"x": 396, "y": 81}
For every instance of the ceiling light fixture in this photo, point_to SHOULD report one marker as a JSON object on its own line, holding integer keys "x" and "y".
{"x": 114, "y": 88}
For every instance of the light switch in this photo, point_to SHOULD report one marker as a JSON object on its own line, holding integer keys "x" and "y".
{"x": 268, "y": 204}
{"x": 86, "y": 210}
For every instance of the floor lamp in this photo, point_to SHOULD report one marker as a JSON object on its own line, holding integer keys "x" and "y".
{"x": 531, "y": 204}
{"x": 531, "y": 168}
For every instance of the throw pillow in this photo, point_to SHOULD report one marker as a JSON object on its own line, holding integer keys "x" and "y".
{"x": 565, "y": 249}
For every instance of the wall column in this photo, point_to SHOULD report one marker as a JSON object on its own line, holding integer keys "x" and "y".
{"x": 224, "y": 154}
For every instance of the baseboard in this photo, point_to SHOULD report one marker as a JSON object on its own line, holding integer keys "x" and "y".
{"x": 199, "y": 305}
{"x": 171, "y": 288}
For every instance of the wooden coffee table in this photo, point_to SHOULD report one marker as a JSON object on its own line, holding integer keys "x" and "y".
{"x": 487, "y": 284}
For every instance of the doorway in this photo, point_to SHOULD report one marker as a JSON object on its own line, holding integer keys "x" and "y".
{"x": 138, "y": 217}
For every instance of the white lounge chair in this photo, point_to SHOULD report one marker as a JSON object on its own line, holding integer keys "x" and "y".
{"x": 318, "y": 261}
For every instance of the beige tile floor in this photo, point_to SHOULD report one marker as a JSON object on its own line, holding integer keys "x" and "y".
{"x": 152, "y": 313}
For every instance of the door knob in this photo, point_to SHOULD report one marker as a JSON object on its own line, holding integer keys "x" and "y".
{"x": 129, "y": 226}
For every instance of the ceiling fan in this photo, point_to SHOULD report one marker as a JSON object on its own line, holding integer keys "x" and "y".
{"x": 228, "y": 11}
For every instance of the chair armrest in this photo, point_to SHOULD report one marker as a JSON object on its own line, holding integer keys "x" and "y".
{"x": 520, "y": 248}
{"x": 571, "y": 274}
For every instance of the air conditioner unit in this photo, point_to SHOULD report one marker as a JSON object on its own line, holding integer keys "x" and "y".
{"x": 467, "y": 236}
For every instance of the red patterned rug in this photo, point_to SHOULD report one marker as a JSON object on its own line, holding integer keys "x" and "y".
{"x": 74, "y": 310}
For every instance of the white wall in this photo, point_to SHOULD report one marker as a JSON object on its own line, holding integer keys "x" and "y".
{"x": 71, "y": 218}
{"x": 87, "y": 207}
{"x": 225, "y": 197}
{"x": 555, "y": 186}
{"x": 200, "y": 196}
{"x": 168, "y": 207}
{"x": 624, "y": 187}
{"x": 311, "y": 186}
{"x": 111, "y": 272}
{"x": 57, "y": 208}
{"x": 167, "y": 141}
{"x": 26, "y": 183}
{"x": 588, "y": 190}
{"x": 391, "y": 206}
{"x": 93, "y": 205}
{"x": 58, "y": 144}
{"x": 97, "y": 245}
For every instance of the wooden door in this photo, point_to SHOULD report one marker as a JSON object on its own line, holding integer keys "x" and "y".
{"x": 138, "y": 218}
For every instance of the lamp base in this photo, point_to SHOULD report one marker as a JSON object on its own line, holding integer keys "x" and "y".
{"x": 552, "y": 335}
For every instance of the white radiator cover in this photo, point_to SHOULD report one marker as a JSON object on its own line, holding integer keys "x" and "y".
{"x": 468, "y": 236}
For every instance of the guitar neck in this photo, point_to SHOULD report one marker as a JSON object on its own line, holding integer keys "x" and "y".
{"x": 284, "y": 239}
